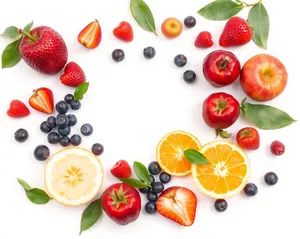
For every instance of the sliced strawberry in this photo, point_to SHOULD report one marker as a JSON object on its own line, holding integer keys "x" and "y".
{"x": 124, "y": 32}
{"x": 91, "y": 35}
{"x": 73, "y": 75}
{"x": 121, "y": 169}
{"x": 17, "y": 109}
{"x": 42, "y": 100}
{"x": 178, "y": 204}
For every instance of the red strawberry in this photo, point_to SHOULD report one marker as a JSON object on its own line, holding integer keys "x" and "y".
{"x": 91, "y": 35}
{"x": 124, "y": 32}
{"x": 178, "y": 204}
{"x": 44, "y": 50}
{"x": 17, "y": 109}
{"x": 248, "y": 138}
{"x": 236, "y": 33}
{"x": 121, "y": 169}
{"x": 73, "y": 75}
{"x": 204, "y": 40}
{"x": 42, "y": 100}
{"x": 277, "y": 148}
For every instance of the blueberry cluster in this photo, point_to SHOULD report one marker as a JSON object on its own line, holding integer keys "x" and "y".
{"x": 157, "y": 187}
{"x": 189, "y": 76}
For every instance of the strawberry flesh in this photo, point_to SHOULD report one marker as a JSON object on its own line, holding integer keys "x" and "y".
{"x": 42, "y": 100}
{"x": 91, "y": 35}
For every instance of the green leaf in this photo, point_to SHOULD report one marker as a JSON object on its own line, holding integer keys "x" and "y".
{"x": 28, "y": 27}
{"x": 265, "y": 116}
{"x": 134, "y": 182}
{"x": 195, "y": 157}
{"x": 90, "y": 215}
{"x": 220, "y": 10}
{"x": 258, "y": 19}
{"x": 24, "y": 184}
{"x": 11, "y": 32}
{"x": 37, "y": 196}
{"x": 141, "y": 172}
{"x": 143, "y": 15}
{"x": 11, "y": 54}
{"x": 81, "y": 90}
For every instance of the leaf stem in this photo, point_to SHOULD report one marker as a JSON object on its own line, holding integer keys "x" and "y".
{"x": 32, "y": 38}
{"x": 251, "y": 4}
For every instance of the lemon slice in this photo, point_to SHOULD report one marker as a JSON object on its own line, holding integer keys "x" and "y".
{"x": 73, "y": 176}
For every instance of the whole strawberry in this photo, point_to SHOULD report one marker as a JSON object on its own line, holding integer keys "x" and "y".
{"x": 17, "y": 109}
{"x": 236, "y": 33}
{"x": 73, "y": 75}
{"x": 121, "y": 169}
{"x": 204, "y": 40}
{"x": 248, "y": 138}
{"x": 124, "y": 32}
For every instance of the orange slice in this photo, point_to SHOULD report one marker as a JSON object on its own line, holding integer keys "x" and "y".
{"x": 169, "y": 152}
{"x": 226, "y": 174}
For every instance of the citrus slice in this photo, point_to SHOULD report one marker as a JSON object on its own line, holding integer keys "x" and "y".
{"x": 169, "y": 152}
{"x": 226, "y": 174}
{"x": 73, "y": 176}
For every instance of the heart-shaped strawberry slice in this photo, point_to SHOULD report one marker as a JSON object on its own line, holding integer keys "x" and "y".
{"x": 73, "y": 75}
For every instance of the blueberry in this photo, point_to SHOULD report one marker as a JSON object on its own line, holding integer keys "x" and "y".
{"x": 144, "y": 190}
{"x": 152, "y": 178}
{"x": 180, "y": 60}
{"x": 51, "y": 122}
{"x": 45, "y": 128}
{"x": 97, "y": 149}
{"x": 150, "y": 207}
{"x": 68, "y": 98}
{"x": 64, "y": 141}
{"x": 75, "y": 104}
{"x": 152, "y": 196}
{"x": 118, "y": 55}
{"x": 21, "y": 135}
{"x": 164, "y": 177}
{"x": 62, "y": 121}
{"x": 64, "y": 131}
{"x": 221, "y": 205}
{"x": 72, "y": 120}
{"x": 190, "y": 21}
{"x": 62, "y": 107}
{"x": 75, "y": 140}
{"x": 154, "y": 168}
{"x": 189, "y": 76}
{"x": 157, "y": 187}
{"x": 271, "y": 178}
{"x": 41, "y": 152}
{"x": 86, "y": 129}
{"x": 53, "y": 138}
{"x": 250, "y": 189}
{"x": 149, "y": 52}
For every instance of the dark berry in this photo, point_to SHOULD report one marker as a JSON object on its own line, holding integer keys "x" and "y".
{"x": 221, "y": 205}
{"x": 157, "y": 187}
{"x": 62, "y": 121}
{"x": 189, "y": 76}
{"x": 271, "y": 178}
{"x": 180, "y": 60}
{"x": 75, "y": 140}
{"x": 154, "y": 168}
{"x": 164, "y": 177}
{"x": 190, "y": 22}
{"x": 152, "y": 196}
{"x": 150, "y": 207}
{"x": 51, "y": 122}
{"x": 21, "y": 135}
{"x": 45, "y": 128}
{"x": 250, "y": 189}
{"x": 72, "y": 120}
{"x": 62, "y": 107}
{"x": 53, "y": 138}
{"x": 144, "y": 190}
{"x": 64, "y": 141}
{"x": 152, "y": 178}
{"x": 86, "y": 129}
{"x": 97, "y": 149}
{"x": 149, "y": 52}
{"x": 75, "y": 104}
{"x": 41, "y": 152}
{"x": 118, "y": 55}
{"x": 277, "y": 148}
{"x": 68, "y": 98}
{"x": 64, "y": 131}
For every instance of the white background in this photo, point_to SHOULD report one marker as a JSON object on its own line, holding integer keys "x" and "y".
{"x": 131, "y": 106}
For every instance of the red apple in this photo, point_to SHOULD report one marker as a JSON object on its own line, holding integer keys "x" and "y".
{"x": 171, "y": 27}
{"x": 263, "y": 77}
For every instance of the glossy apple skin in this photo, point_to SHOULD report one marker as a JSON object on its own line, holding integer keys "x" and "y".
{"x": 263, "y": 77}
{"x": 171, "y": 27}
{"x": 221, "y": 68}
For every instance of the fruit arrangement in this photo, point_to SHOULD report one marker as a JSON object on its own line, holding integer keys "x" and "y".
{"x": 220, "y": 169}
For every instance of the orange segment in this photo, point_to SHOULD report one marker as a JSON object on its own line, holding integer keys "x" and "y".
{"x": 169, "y": 152}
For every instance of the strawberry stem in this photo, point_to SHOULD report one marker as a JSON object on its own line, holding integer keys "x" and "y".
{"x": 32, "y": 38}
{"x": 251, "y": 4}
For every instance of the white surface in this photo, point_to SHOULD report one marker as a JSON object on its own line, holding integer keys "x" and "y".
{"x": 131, "y": 106}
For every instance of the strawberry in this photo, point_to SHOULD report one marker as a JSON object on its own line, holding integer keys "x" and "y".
{"x": 17, "y": 109}
{"x": 42, "y": 100}
{"x": 124, "y": 32}
{"x": 73, "y": 75}
{"x": 91, "y": 35}
{"x": 121, "y": 169}
{"x": 277, "y": 148}
{"x": 178, "y": 204}
{"x": 236, "y": 33}
{"x": 248, "y": 138}
{"x": 204, "y": 40}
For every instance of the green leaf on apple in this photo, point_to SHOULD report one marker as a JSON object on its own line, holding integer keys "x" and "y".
{"x": 90, "y": 215}
{"x": 11, "y": 54}
{"x": 28, "y": 27}
{"x": 11, "y": 32}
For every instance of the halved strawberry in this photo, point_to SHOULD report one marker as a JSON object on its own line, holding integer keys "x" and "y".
{"x": 178, "y": 204}
{"x": 42, "y": 100}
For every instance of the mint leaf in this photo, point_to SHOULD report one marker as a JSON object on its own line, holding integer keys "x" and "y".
{"x": 195, "y": 157}
{"x": 28, "y": 27}
{"x": 24, "y": 184}
{"x": 11, "y": 54}
{"x": 37, "y": 196}
{"x": 90, "y": 215}
{"x": 134, "y": 182}
{"x": 11, "y": 32}
{"x": 81, "y": 90}
{"x": 141, "y": 172}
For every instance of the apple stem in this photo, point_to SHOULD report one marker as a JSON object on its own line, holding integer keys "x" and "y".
{"x": 251, "y": 4}
{"x": 32, "y": 38}
{"x": 223, "y": 64}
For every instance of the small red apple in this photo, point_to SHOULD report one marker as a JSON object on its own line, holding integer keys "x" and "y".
{"x": 263, "y": 77}
{"x": 171, "y": 27}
